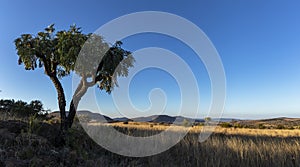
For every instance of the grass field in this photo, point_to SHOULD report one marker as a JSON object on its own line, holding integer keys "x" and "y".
{"x": 217, "y": 129}
{"x": 24, "y": 145}
{"x": 225, "y": 147}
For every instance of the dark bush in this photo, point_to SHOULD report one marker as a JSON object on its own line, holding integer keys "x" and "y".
{"x": 261, "y": 126}
{"x": 22, "y": 109}
{"x": 237, "y": 125}
{"x": 280, "y": 126}
{"x": 225, "y": 125}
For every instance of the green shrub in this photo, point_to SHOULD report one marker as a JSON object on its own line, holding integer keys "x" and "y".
{"x": 186, "y": 123}
{"x": 280, "y": 126}
{"x": 225, "y": 125}
{"x": 261, "y": 126}
{"x": 33, "y": 123}
{"x": 237, "y": 125}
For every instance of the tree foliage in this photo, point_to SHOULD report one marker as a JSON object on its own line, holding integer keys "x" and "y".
{"x": 57, "y": 52}
{"x": 207, "y": 119}
{"x": 22, "y": 109}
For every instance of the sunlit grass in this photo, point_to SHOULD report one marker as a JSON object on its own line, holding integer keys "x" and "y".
{"x": 225, "y": 147}
{"x": 198, "y": 129}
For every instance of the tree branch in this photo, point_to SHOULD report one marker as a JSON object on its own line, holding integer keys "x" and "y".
{"x": 46, "y": 64}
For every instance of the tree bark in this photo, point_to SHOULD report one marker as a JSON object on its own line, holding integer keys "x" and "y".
{"x": 74, "y": 104}
{"x": 80, "y": 91}
{"x": 72, "y": 112}
{"x": 61, "y": 101}
{"x": 50, "y": 70}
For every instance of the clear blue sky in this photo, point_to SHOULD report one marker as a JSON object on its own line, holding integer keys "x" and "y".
{"x": 258, "y": 42}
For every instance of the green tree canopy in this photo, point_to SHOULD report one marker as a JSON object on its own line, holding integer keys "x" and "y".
{"x": 57, "y": 52}
{"x": 22, "y": 109}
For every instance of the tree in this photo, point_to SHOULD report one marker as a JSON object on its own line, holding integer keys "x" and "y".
{"x": 186, "y": 123}
{"x": 23, "y": 109}
{"x": 207, "y": 119}
{"x": 57, "y": 52}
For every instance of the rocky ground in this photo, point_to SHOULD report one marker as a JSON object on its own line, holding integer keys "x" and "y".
{"x": 22, "y": 144}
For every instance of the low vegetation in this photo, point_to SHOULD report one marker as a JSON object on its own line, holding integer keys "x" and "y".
{"x": 22, "y": 110}
{"x": 276, "y": 123}
{"x": 36, "y": 142}
{"x": 226, "y": 147}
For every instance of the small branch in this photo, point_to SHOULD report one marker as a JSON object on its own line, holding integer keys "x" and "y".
{"x": 46, "y": 64}
{"x": 78, "y": 87}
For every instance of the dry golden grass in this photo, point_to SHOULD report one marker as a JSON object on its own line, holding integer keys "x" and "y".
{"x": 225, "y": 147}
{"x": 260, "y": 132}
{"x": 198, "y": 129}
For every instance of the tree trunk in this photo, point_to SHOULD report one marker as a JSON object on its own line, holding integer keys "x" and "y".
{"x": 61, "y": 101}
{"x": 72, "y": 112}
{"x": 74, "y": 104}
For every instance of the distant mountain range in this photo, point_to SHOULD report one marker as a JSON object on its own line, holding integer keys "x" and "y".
{"x": 272, "y": 122}
{"x": 281, "y": 122}
{"x": 96, "y": 117}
